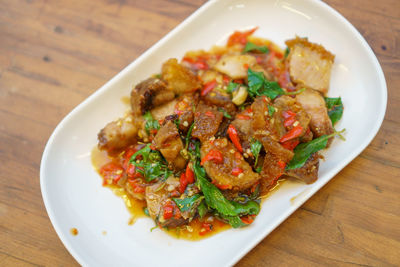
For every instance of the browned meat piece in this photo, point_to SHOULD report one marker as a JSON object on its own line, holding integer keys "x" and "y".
{"x": 118, "y": 134}
{"x": 308, "y": 172}
{"x": 207, "y": 120}
{"x": 314, "y": 104}
{"x": 148, "y": 94}
{"x": 270, "y": 173}
{"x": 309, "y": 64}
{"x": 169, "y": 143}
{"x": 284, "y": 104}
{"x": 223, "y": 174}
{"x": 260, "y": 112}
{"x": 160, "y": 112}
{"x": 184, "y": 109}
{"x": 220, "y": 99}
{"x": 235, "y": 65}
{"x": 273, "y": 147}
{"x": 157, "y": 196}
{"x": 179, "y": 78}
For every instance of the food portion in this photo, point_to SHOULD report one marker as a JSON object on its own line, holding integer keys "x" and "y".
{"x": 214, "y": 132}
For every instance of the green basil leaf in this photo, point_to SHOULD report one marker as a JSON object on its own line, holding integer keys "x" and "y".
{"x": 253, "y": 47}
{"x": 249, "y": 208}
{"x": 225, "y": 113}
{"x": 187, "y": 203}
{"x": 335, "y": 108}
{"x": 271, "y": 110}
{"x": 255, "y": 148}
{"x": 151, "y": 123}
{"x": 259, "y": 85}
{"x": 287, "y": 51}
{"x": 234, "y": 221}
{"x": 202, "y": 209}
{"x": 232, "y": 87}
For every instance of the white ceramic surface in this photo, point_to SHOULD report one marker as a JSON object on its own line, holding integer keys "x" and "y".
{"x": 72, "y": 190}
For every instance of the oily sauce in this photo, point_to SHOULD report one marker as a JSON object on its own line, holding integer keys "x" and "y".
{"x": 193, "y": 231}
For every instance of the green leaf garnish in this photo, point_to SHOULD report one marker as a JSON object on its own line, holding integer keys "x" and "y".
{"x": 253, "y": 47}
{"x": 232, "y": 87}
{"x": 271, "y": 110}
{"x": 152, "y": 165}
{"x": 202, "y": 209}
{"x": 335, "y": 108}
{"x": 303, "y": 151}
{"x": 287, "y": 51}
{"x": 225, "y": 113}
{"x": 255, "y": 148}
{"x": 187, "y": 203}
{"x": 151, "y": 123}
{"x": 259, "y": 85}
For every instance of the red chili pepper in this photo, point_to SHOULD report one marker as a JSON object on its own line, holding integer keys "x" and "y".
{"x": 239, "y": 81}
{"x": 281, "y": 164}
{"x": 205, "y": 228}
{"x": 198, "y": 64}
{"x": 243, "y": 117}
{"x": 291, "y": 144}
{"x": 293, "y": 133}
{"x": 189, "y": 174}
{"x": 226, "y": 79}
{"x": 180, "y": 107}
{"x": 259, "y": 60}
{"x": 247, "y": 219}
{"x": 240, "y": 37}
{"x": 289, "y": 121}
{"x": 246, "y": 66}
{"x": 111, "y": 172}
{"x": 183, "y": 182}
{"x": 213, "y": 155}
{"x": 288, "y": 114}
{"x": 208, "y": 87}
{"x": 153, "y": 131}
{"x": 238, "y": 156}
{"x": 137, "y": 185}
{"x": 224, "y": 186}
{"x": 233, "y": 135}
{"x": 236, "y": 171}
{"x": 168, "y": 210}
{"x": 210, "y": 114}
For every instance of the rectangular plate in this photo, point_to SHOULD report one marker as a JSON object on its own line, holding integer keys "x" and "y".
{"x": 72, "y": 190}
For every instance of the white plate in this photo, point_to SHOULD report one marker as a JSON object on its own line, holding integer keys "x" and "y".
{"x": 72, "y": 190}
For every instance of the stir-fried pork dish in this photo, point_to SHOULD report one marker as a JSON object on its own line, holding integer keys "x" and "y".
{"x": 212, "y": 133}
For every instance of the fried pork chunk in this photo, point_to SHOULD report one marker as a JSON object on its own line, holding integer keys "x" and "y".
{"x": 179, "y": 78}
{"x": 309, "y": 64}
{"x": 206, "y": 122}
{"x": 233, "y": 172}
{"x": 314, "y": 104}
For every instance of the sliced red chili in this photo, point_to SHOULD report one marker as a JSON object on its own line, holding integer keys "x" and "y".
{"x": 291, "y": 144}
{"x": 210, "y": 114}
{"x": 223, "y": 186}
{"x": 233, "y": 135}
{"x": 243, "y": 117}
{"x": 183, "y": 182}
{"x": 247, "y": 219}
{"x": 237, "y": 171}
{"x": 189, "y": 174}
{"x": 213, "y": 155}
{"x": 288, "y": 114}
{"x": 289, "y": 121}
{"x": 168, "y": 210}
{"x": 111, "y": 172}
{"x": 293, "y": 133}
{"x": 240, "y": 37}
{"x": 208, "y": 87}
{"x": 281, "y": 164}
{"x": 205, "y": 228}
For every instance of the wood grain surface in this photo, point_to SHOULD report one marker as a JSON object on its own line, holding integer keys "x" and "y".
{"x": 54, "y": 54}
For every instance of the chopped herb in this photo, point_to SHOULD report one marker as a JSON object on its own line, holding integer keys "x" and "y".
{"x": 255, "y": 148}
{"x": 202, "y": 209}
{"x": 152, "y": 165}
{"x": 151, "y": 124}
{"x": 232, "y": 87}
{"x": 271, "y": 110}
{"x": 226, "y": 114}
{"x": 253, "y": 47}
{"x": 177, "y": 122}
{"x": 259, "y": 169}
{"x": 146, "y": 211}
{"x": 259, "y": 85}
{"x": 188, "y": 135}
{"x": 335, "y": 108}
{"x": 187, "y": 203}
{"x": 303, "y": 151}
{"x": 287, "y": 51}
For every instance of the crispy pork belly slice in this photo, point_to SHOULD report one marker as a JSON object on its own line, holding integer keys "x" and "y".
{"x": 309, "y": 64}
{"x": 157, "y": 195}
{"x": 270, "y": 173}
{"x": 314, "y": 104}
{"x": 120, "y": 133}
{"x": 207, "y": 120}
{"x": 235, "y": 66}
{"x": 148, "y": 94}
{"x": 169, "y": 143}
{"x": 308, "y": 173}
{"x": 179, "y": 78}
{"x": 223, "y": 174}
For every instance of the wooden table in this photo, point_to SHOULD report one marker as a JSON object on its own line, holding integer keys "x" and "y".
{"x": 53, "y": 54}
